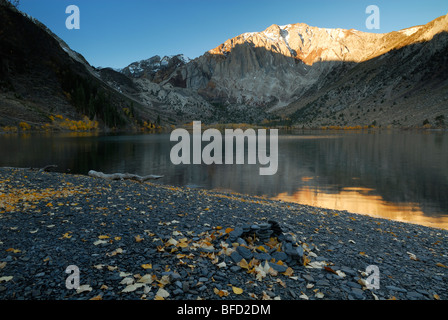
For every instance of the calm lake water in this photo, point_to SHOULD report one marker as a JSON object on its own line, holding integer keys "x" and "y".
{"x": 391, "y": 174}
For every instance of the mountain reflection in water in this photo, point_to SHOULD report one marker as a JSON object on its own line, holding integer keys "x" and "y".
{"x": 363, "y": 201}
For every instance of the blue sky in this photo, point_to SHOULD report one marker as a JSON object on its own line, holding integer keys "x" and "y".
{"x": 115, "y": 33}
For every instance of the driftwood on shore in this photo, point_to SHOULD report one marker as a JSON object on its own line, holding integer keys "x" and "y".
{"x": 123, "y": 176}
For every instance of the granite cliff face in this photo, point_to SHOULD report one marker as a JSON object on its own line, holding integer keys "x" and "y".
{"x": 316, "y": 76}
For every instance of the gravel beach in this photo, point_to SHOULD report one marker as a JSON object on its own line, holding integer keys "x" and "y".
{"x": 127, "y": 240}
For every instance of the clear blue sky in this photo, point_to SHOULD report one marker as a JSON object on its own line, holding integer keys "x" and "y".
{"x": 115, "y": 33}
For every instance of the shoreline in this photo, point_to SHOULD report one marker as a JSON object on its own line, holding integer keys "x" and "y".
{"x": 149, "y": 241}
{"x": 6, "y": 130}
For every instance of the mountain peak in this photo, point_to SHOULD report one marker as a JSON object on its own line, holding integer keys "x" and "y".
{"x": 155, "y": 68}
{"x": 273, "y": 29}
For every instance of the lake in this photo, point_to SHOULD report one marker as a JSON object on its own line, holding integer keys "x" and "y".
{"x": 399, "y": 175}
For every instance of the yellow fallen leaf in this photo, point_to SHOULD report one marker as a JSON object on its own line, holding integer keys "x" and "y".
{"x": 164, "y": 280}
{"x": 243, "y": 264}
{"x": 147, "y": 266}
{"x": 13, "y": 250}
{"x": 171, "y": 242}
{"x": 146, "y": 279}
{"x": 228, "y": 230}
{"x": 127, "y": 281}
{"x": 132, "y": 287}
{"x": 237, "y": 290}
{"x": 412, "y": 256}
{"x": 66, "y": 236}
{"x": 340, "y": 273}
{"x": 138, "y": 238}
{"x": 162, "y": 293}
{"x": 253, "y": 296}
{"x": 115, "y": 252}
{"x": 305, "y": 260}
{"x": 303, "y": 296}
{"x": 103, "y": 237}
{"x": 280, "y": 282}
{"x": 84, "y": 288}
{"x": 117, "y": 238}
{"x": 174, "y": 250}
{"x": 266, "y": 296}
{"x": 221, "y": 293}
{"x": 436, "y": 296}
{"x": 98, "y": 297}
{"x": 289, "y": 272}
{"x": 441, "y": 265}
{"x": 362, "y": 282}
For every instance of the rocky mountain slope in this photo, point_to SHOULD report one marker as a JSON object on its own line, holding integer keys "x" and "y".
{"x": 41, "y": 78}
{"x": 325, "y": 77}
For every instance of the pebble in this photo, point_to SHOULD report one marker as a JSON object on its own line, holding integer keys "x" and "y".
{"x": 322, "y": 283}
{"x": 244, "y": 252}
{"x": 414, "y": 295}
{"x": 279, "y": 255}
{"x": 235, "y": 234}
{"x": 308, "y": 277}
{"x": 236, "y": 257}
{"x": 262, "y": 256}
{"x": 358, "y": 293}
{"x": 177, "y": 292}
{"x": 394, "y": 288}
{"x": 277, "y": 267}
